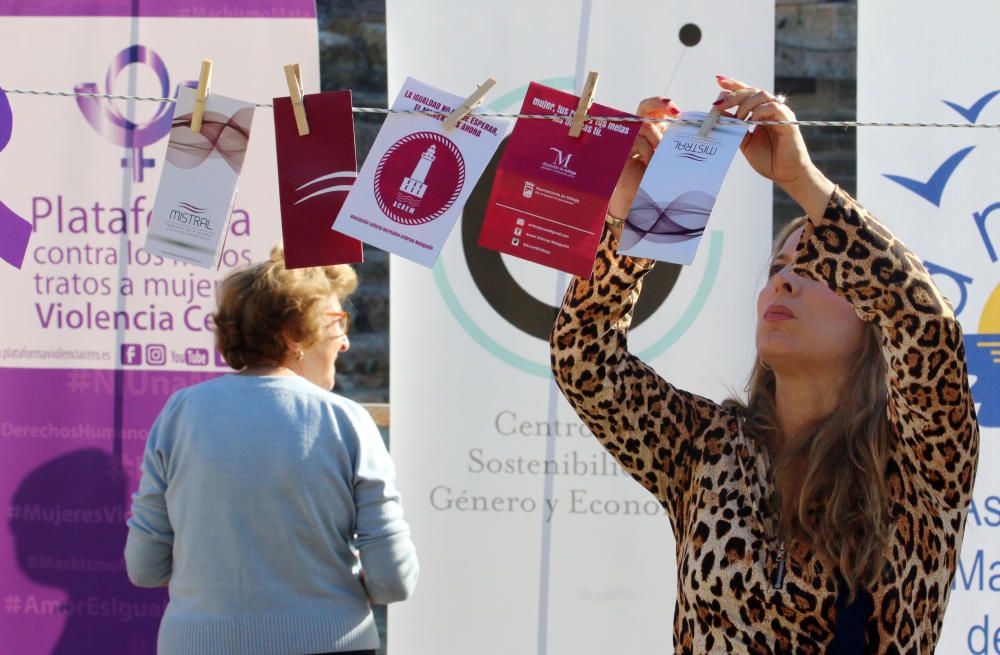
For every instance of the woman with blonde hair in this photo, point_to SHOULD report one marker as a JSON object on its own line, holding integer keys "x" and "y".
{"x": 267, "y": 504}
{"x": 825, "y": 513}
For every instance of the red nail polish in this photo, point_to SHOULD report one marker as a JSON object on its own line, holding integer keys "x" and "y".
{"x": 665, "y": 101}
{"x": 718, "y": 102}
{"x": 721, "y": 78}
{"x": 673, "y": 111}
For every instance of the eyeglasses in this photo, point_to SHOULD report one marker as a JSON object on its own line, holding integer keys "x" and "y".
{"x": 343, "y": 319}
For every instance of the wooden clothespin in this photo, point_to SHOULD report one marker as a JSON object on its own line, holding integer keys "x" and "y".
{"x": 708, "y": 124}
{"x": 586, "y": 99}
{"x": 204, "y": 82}
{"x": 294, "y": 78}
{"x": 470, "y": 103}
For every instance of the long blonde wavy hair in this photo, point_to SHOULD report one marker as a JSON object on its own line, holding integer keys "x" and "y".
{"x": 841, "y": 507}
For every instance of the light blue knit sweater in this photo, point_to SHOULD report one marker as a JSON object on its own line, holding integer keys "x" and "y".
{"x": 258, "y": 497}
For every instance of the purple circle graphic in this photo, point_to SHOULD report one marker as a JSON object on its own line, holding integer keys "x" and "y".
{"x": 438, "y": 175}
{"x": 138, "y": 54}
{"x": 6, "y": 120}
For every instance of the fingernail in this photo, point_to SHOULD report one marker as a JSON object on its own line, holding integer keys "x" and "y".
{"x": 718, "y": 102}
{"x": 665, "y": 101}
{"x": 721, "y": 78}
{"x": 674, "y": 111}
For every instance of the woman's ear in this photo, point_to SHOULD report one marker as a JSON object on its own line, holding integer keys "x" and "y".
{"x": 291, "y": 345}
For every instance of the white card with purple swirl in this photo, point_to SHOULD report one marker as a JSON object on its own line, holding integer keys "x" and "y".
{"x": 678, "y": 191}
{"x": 202, "y": 169}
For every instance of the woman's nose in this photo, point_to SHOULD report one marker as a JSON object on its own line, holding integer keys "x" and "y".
{"x": 786, "y": 281}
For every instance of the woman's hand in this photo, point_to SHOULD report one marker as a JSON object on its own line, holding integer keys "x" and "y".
{"x": 650, "y": 135}
{"x": 777, "y": 152}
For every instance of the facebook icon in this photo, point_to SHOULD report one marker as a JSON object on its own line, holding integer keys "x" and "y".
{"x": 131, "y": 354}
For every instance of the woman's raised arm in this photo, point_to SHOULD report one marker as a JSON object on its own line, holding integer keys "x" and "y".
{"x": 653, "y": 429}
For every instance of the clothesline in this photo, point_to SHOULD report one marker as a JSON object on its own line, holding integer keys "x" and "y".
{"x": 621, "y": 119}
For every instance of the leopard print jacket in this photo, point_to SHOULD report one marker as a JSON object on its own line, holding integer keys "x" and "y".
{"x": 714, "y": 482}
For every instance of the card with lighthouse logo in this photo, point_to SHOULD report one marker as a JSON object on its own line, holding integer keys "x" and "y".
{"x": 418, "y": 175}
{"x": 552, "y": 190}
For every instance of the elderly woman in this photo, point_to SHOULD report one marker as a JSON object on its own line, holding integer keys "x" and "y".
{"x": 267, "y": 504}
{"x": 825, "y": 513}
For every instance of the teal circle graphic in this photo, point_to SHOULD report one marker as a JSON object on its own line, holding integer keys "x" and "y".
{"x": 501, "y": 352}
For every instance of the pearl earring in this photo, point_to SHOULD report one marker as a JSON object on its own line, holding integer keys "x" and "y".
{"x": 299, "y": 355}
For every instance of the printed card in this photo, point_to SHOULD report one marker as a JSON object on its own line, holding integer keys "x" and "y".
{"x": 551, "y": 192}
{"x": 198, "y": 186}
{"x": 418, "y": 175}
{"x": 678, "y": 191}
{"x": 315, "y": 174}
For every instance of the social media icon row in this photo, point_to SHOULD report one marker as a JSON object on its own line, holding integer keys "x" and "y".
{"x": 155, "y": 354}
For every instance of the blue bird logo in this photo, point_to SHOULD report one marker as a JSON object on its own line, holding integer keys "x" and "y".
{"x": 971, "y": 113}
{"x": 933, "y": 189}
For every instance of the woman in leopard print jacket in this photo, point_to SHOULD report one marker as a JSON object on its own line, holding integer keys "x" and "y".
{"x": 826, "y": 513}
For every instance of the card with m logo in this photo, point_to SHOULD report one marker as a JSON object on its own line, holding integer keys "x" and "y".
{"x": 551, "y": 190}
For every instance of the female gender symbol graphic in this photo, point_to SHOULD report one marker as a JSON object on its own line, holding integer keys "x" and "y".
{"x": 103, "y": 115}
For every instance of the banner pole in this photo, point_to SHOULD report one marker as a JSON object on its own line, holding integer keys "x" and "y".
{"x": 580, "y": 75}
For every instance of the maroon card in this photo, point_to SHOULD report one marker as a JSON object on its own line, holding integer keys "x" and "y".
{"x": 551, "y": 190}
{"x": 315, "y": 173}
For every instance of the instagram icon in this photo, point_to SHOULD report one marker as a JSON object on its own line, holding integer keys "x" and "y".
{"x": 156, "y": 354}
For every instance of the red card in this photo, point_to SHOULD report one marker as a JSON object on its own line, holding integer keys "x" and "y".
{"x": 315, "y": 173}
{"x": 551, "y": 192}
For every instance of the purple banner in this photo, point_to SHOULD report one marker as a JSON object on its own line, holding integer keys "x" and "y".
{"x": 162, "y": 8}
{"x": 88, "y": 298}
{"x": 73, "y": 442}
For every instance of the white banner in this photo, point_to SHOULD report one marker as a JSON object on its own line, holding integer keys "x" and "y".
{"x": 936, "y": 189}
{"x": 531, "y": 539}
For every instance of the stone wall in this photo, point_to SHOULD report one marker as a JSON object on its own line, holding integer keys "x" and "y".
{"x": 815, "y": 63}
{"x": 353, "y": 56}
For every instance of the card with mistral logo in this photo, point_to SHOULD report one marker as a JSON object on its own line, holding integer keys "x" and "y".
{"x": 552, "y": 190}
{"x": 418, "y": 175}
{"x": 198, "y": 186}
{"x": 315, "y": 174}
{"x": 678, "y": 191}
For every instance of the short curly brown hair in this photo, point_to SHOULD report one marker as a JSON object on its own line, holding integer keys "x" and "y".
{"x": 260, "y": 304}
